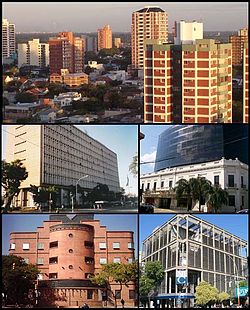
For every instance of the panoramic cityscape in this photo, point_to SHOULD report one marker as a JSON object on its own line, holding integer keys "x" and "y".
{"x": 125, "y": 153}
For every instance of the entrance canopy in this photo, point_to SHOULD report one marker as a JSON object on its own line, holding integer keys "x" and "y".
{"x": 175, "y": 296}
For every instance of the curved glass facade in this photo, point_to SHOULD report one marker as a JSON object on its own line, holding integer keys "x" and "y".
{"x": 189, "y": 144}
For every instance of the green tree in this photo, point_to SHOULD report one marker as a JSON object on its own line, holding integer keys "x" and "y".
{"x": 183, "y": 189}
{"x": 25, "y": 97}
{"x": 206, "y": 294}
{"x": 55, "y": 89}
{"x": 200, "y": 188}
{"x": 18, "y": 278}
{"x": 12, "y": 176}
{"x": 217, "y": 197}
{"x": 100, "y": 192}
{"x": 223, "y": 297}
{"x": 123, "y": 274}
{"x": 133, "y": 167}
{"x": 44, "y": 195}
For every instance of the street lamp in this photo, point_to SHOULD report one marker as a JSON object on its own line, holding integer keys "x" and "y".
{"x": 238, "y": 282}
{"x": 85, "y": 176}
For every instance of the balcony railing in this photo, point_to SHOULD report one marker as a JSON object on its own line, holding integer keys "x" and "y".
{"x": 232, "y": 185}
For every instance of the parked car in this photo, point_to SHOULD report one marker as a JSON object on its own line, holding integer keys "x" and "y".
{"x": 146, "y": 208}
{"x": 244, "y": 211}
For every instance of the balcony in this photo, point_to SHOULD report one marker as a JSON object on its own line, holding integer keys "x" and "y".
{"x": 232, "y": 185}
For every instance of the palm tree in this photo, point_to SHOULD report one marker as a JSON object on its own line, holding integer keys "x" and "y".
{"x": 183, "y": 188}
{"x": 200, "y": 188}
{"x": 217, "y": 197}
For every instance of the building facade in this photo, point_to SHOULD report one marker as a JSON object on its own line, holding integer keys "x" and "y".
{"x": 232, "y": 175}
{"x": 117, "y": 42}
{"x": 245, "y": 84}
{"x": 104, "y": 38}
{"x": 8, "y": 39}
{"x": 192, "y": 250}
{"x": 187, "y": 83}
{"x": 187, "y": 32}
{"x": 151, "y": 22}
{"x": 60, "y": 155}
{"x": 180, "y": 145}
{"x": 238, "y": 45}
{"x": 67, "y": 252}
{"x": 66, "y": 52}
{"x": 33, "y": 53}
{"x": 69, "y": 79}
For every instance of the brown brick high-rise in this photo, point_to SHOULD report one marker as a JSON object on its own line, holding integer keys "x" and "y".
{"x": 67, "y": 252}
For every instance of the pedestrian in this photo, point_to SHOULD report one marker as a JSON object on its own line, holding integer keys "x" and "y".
{"x": 122, "y": 302}
{"x": 235, "y": 209}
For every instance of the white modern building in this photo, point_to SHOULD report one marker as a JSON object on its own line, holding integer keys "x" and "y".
{"x": 8, "y": 39}
{"x": 231, "y": 175}
{"x": 188, "y": 32}
{"x": 33, "y": 53}
{"x": 60, "y": 155}
{"x": 65, "y": 99}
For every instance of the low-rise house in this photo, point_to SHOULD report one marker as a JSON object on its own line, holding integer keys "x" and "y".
{"x": 65, "y": 99}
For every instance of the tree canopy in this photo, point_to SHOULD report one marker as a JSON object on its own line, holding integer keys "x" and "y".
{"x": 12, "y": 176}
{"x": 18, "y": 278}
{"x": 206, "y": 294}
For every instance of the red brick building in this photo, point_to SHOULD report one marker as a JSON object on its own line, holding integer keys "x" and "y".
{"x": 187, "y": 83}
{"x": 238, "y": 45}
{"x": 67, "y": 252}
{"x": 66, "y": 52}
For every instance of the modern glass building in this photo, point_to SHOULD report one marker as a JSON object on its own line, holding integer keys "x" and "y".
{"x": 190, "y": 144}
{"x": 193, "y": 250}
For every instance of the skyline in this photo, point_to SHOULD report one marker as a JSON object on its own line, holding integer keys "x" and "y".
{"x": 114, "y": 140}
{"x": 216, "y": 16}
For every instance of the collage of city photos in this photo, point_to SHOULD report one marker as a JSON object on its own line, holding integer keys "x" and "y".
{"x": 125, "y": 153}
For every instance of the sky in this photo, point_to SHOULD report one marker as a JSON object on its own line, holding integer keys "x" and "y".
{"x": 235, "y": 224}
{"x": 28, "y": 222}
{"x": 121, "y": 139}
{"x": 89, "y": 16}
{"x": 148, "y": 146}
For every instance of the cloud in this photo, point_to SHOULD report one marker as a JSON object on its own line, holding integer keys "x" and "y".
{"x": 149, "y": 157}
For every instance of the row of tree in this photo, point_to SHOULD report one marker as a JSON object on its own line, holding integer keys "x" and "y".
{"x": 200, "y": 190}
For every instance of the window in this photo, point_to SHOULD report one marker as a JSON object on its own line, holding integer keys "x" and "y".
{"x": 40, "y": 246}
{"x": 148, "y": 185}
{"x": 131, "y": 294}
{"x": 130, "y": 245}
{"x": 242, "y": 181}
{"x": 231, "y": 200}
{"x": 162, "y": 184}
{"x": 70, "y": 235}
{"x": 242, "y": 201}
{"x": 102, "y": 245}
{"x": 40, "y": 261}
{"x": 130, "y": 260}
{"x": 103, "y": 260}
{"x": 116, "y": 260}
{"x": 71, "y": 251}
{"x": 89, "y": 294}
{"x": 26, "y": 260}
{"x": 12, "y": 246}
{"x": 170, "y": 184}
{"x": 53, "y": 260}
{"x": 89, "y": 260}
{"x": 230, "y": 180}
{"x": 26, "y": 246}
{"x": 53, "y": 276}
{"x": 216, "y": 180}
{"x": 53, "y": 244}
{"x": 142, "y": 187}
{"x": 88, "y": 244}
{"x": 118, "y": 294}
{"x": 116, "y": 245}
{"x": 70, "y": 266}
{"x": 155, "y": 185}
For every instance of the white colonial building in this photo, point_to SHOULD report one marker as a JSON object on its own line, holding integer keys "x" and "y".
{"x": 232, "y": 175}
